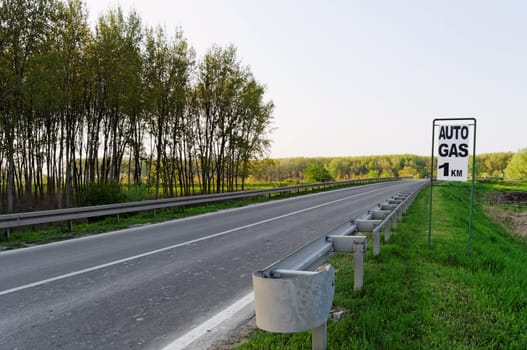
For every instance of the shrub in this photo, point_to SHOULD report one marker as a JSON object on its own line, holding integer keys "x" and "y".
{"x": 97, "y": 194}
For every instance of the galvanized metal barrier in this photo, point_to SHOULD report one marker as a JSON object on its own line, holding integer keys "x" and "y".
{"x": 8, "y": 221}
{"x": 296, "y": 293}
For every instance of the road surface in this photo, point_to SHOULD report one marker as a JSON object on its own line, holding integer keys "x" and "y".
{"x": 143, "y": 287}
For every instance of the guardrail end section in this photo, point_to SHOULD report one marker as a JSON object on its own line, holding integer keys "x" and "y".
{"x": 294, "y": 303}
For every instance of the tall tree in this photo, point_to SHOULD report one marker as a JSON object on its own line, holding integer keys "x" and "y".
{"x": 517, "y": 168}
{"x": 77, "y": 105}
{"x": 73, "y": 38}
{"x": 168, "y": 68}
{"x": 117, "y": 61}
{"x": 232, "y": 119}
{"x": 24, "y": 24}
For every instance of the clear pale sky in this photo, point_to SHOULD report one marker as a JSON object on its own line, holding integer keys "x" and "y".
{"x": 367, "y": 77}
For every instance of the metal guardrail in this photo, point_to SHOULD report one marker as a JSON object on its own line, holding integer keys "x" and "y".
{"x": 291, "y": 297}
{"x": 8, "y": 221}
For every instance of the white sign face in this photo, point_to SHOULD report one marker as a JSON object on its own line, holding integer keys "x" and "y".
{"x": 453, "y": 151}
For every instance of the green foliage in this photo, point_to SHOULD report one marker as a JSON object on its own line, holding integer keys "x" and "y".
{"x": 347, "y": 168}
{"x": 420, "y": 298}
{"x": 517, "y": 168}
{"x": 492, "y": 164}
{"x": 316, "y": 172}
{"x": 342, "y": 168}
{"x": 119, "y": 103}
{"x": 97, "y": 194}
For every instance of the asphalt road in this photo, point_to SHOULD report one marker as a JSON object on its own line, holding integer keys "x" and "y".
{"x": 143, "y": 287}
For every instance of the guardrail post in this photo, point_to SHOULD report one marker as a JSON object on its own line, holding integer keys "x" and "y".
{"x": 7, "y": 233}
{"x": 407, "y": 205}
{"x": 369, "y": 226}
{"x": 118, "y": 219}
{"x": 358, "y": 265}
{"x": 394, "y": 221}
{"x": 70, "y": 226}
{"x": 356, "y": 245}
{"x": 319, "y": 338}
{"x": 387, "y": 231}
{"x": 376, "y": 237}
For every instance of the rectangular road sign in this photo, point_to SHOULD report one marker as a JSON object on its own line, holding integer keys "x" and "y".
{"x": 453, "y": 150}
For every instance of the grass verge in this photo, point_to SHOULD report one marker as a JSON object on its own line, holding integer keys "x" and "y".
{"x": 438, "y": 298}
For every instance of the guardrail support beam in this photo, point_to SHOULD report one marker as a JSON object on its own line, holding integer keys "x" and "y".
{"x": 387, "y": 231}
{"x": 369, "y": 226}
{"x": 358, "y": 265}
{"x": 319, "y": 337}
{"x": 356, "y": 245}
{"x": 376, "y": 237}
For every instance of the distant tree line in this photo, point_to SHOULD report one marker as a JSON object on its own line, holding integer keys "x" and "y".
{"x": 339, "y": 168}
{"x": 348, "y": 168}
{"x": 119, "y": 104}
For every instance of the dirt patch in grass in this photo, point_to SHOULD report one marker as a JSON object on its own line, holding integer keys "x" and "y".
{"x": 508, "y": 209}
{"x": 507, "y": 197}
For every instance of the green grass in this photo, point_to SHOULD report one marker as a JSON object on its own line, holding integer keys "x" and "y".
{"x": 497, "y": 185}
{"x": 438, "y": 298}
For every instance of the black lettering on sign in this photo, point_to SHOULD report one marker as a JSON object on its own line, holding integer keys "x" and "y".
{"x": 463, "y": 150}
{"x": 445, "y": 167}
{"x": 453, "y": 150}
{"x": 443, "y": 150}
{"x": 453, "y": 132}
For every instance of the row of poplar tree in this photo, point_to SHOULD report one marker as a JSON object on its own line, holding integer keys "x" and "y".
{"x": 118, "y": 103}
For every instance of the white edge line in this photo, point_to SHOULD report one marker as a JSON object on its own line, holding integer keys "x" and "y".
{"x": 98, "y": 267}
{"x": 210, "y": 324}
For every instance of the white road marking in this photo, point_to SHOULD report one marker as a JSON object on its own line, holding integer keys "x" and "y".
{"x": 213, "y": 322}
{"x": 98, "y": 267}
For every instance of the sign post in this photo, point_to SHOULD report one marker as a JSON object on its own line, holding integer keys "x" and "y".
{"x": 452, "y": 160}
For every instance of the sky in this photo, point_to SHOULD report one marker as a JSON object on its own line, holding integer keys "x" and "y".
{"x": 351, "y": 78}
